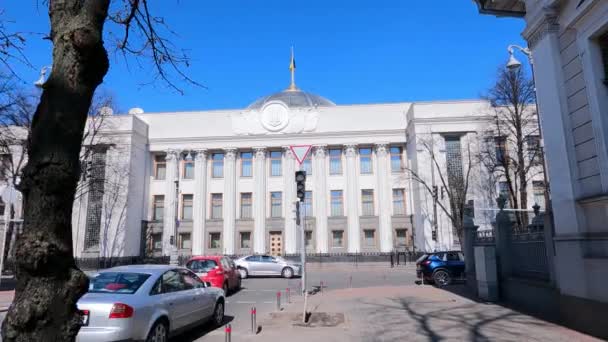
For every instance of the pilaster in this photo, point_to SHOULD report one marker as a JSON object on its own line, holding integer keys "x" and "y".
{"x": 259, "y": 200}
{"x": 200, "y": 200}
{"x": 229, "y": 204}
{"x": 352, "y": 195}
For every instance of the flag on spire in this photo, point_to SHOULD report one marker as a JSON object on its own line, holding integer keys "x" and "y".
{"x": 292, "y": 63}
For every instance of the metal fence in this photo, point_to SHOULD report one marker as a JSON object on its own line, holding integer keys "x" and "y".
{"x": 528, "y": 251}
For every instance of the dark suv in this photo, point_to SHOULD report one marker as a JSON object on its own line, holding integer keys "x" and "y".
{"x": 440, "y": 268}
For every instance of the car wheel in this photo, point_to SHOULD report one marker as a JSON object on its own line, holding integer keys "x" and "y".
{"x": 225, "y": 288}
{"x": 158, "y": 333}
{"x": 287, "y": 272}
{"x": 243, "y": 273}
{"x": 442, "y": 278}
{"x": 218, "y": 314}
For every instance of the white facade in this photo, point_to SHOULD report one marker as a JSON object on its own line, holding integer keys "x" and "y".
{"x": 569, "y": 43}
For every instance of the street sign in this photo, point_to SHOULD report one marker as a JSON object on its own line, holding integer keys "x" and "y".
{"x": 300, "y": 152}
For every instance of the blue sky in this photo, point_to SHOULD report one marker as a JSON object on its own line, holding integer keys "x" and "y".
{"x": 348, "y": 51}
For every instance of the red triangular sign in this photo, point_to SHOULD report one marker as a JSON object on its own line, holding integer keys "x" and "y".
{"x": 300, "y": 152}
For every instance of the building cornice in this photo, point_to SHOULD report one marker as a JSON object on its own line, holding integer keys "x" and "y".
{"x": 546, "y": 22}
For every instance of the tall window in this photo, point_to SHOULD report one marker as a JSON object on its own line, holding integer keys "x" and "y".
{"x": 503, "y": 190}
{"x": 365, "y": 158}
{"x": 159, "y": 208}
{"x": 188, "y": 169}
{"x": 400, "y": 237}
{"x": 157, "y": 241}
{"x": 216, "y": 206}
{"x": 246, "y": 205}
{"x": 367, "y": 200}
{"x": 335, "y": 161}
{"x": 218, "y": 165}
{"x": 538, "y": 187}
{"x": 245, "y": 239}
{"x": 308, "y": 239}
{"x": 533, "y": 144}
{"x": 398, "y": 201}
{"x": 307, "y": 207}
{"x": 246, "y": 162}
{"x": 307, "y": 164}
{"x": 160, "y": 167}
{"x": 186, "y": 207}
{"x": 369, "y": 237}
{"x": 454, "y": 163}
{"x": 500, "y": 144}
{"x": 337, "y": 204}
{"x": 276, "y": 204}
{"x": 396, "y": 159}
{"x": 275, "y": 163}
{"x": 337, "y": 238}
{"x": 215, "y": 241}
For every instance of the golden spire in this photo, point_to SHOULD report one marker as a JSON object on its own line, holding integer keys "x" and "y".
{"x": 292, "y": 68}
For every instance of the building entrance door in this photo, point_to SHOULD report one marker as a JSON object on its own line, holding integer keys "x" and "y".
{"x": 276, "y": 243}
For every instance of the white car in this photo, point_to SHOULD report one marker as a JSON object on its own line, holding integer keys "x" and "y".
{"x": 146, "y": 303}
{"x": 266, "y": 265}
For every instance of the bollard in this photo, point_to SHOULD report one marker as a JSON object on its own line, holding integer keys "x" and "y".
{"x": 253, "y": 321}
{"x": 288, "y": 295}
{"x": 350, "y": 282}
{"x": 278, "y": 300}
{"x": 228, "y": 331}
{"x": 321, "y": 287}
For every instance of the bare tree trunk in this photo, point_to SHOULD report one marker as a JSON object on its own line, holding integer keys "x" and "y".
{"x": 48, "y": 282}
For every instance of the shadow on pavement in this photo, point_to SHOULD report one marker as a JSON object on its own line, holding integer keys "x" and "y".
{"x": 200, "y": 331}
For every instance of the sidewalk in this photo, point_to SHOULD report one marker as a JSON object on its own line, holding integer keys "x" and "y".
{"x": 407, "y": 313}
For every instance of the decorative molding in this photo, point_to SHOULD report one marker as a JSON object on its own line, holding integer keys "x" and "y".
{"x": 230, "y": 153}
{"x": 201, "y": 155}
{"x": 548, "y": 23}
{"x": 320, "y": 151}
{"x": 381, "y": 148}
{"x": 260, "y": 152}
{"x": 350, "y": 150}
{"x": 171, "y": 155}
{"x": 287, "y": 152}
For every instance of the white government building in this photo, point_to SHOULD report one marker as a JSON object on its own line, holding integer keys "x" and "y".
{"x": 222, "y": 181}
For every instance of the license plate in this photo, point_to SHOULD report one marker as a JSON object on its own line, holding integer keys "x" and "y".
{"x": 84, "y": 321}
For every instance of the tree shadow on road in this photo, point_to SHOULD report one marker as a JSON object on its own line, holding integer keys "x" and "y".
{"x": 440, "y": 320}
{"x": 200, "y": 331}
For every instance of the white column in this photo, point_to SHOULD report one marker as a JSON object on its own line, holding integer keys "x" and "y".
{"x": 352, "y": 199}
{"x": 384, "y": 198}
{"x": 259, "y": 201}
{"x": 289, "y": 191}
{"x": 320, "y": 196}
{"x": 200, "y": 202}
{"x": 171, "y": 177}
{"x": 229, "y": 215}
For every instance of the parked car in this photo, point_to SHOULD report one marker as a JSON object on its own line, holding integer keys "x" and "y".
{"x": 220, "y": 271}
{"x": 266, "y": 265}
{"x": 440, "y": 268}
{"x": 146, "y": 303}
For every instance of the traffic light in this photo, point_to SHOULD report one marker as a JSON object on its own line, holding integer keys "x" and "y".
{"x": 301, "y": 184}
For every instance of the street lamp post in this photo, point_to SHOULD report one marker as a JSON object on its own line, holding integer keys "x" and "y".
{"x": 514, "y": 64}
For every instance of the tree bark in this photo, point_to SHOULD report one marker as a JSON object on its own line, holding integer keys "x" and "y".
{"x": 48, "y": 282}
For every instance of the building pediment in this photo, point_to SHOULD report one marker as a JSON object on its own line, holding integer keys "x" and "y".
{"x": 275, "y": 118}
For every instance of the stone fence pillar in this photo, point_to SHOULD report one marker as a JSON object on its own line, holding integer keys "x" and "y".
{"x": 470, "y": 233}
{"x": 502, "y": 237}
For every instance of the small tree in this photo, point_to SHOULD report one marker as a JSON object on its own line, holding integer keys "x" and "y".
{"x": 511, "y": 152}
{"x": 450, "y": 193}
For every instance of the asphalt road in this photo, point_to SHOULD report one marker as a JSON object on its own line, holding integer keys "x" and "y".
{"x": 261, "y": 293}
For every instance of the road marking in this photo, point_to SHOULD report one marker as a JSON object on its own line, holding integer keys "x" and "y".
{"x": 243, "y": 302}
{"x": 268, "y": 302}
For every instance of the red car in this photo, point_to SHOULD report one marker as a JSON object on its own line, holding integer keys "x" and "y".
{"x": 219, "y": 270}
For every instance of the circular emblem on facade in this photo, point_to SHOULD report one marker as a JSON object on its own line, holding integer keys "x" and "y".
{"x": 275, "y": 117}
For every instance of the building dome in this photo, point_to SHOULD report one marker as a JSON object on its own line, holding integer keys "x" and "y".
{"x": 292, "y": 98}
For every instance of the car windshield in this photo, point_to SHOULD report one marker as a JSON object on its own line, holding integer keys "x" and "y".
{"x": 117, "y": 282}
{"x": 202, "y": 265}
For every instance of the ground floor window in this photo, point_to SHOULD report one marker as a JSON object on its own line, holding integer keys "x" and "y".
{"x": 337, "y": 238}
{"x": 370, "y": 237}
{"x": 214, "y": 240}
{"x": 185, "y": 241}
{"x": 400, "y": 237}
{"x": 245, "y": 239}
{"x": 157, "y": 242}
{"x": 308, "y": 238}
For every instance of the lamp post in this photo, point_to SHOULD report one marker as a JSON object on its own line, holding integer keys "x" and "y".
{"x": 174, "y": 256}
{"x": 514, "y": 64}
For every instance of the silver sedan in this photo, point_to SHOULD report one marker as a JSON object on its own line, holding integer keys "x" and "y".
{"x": 266, "y": 265}
{"x": 146, "y": 303}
